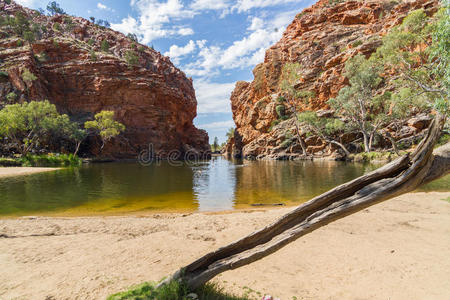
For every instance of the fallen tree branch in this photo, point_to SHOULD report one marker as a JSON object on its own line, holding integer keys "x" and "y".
{"x": 400, "y": 176}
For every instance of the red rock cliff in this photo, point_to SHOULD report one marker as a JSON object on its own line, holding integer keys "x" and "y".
{"x": 320, "y": 40}
{"x": 154, "y": 99}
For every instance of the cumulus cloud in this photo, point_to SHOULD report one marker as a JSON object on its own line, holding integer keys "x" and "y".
{"x": 213, "y": 97}
{"x": 217, "y": 125}
{"x": 175, "y": 51}
{"x": 27, "y": 3}
{"x": 246, "y": 5}
{"x": 209, "y": 4}
{"x": 156, "y": 19}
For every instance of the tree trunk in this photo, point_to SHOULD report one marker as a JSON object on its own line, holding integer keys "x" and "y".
{"x": 347, "y": 153}
{"x": 366, "y": 141}
{"x": 400, "y": 176}
{"x": 77, "y": 148}
{"x": 300, "y": 139}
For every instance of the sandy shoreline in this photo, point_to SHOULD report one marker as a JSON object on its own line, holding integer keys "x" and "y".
{"x": 19, "y": 171}
{"x": 395, "y": 250}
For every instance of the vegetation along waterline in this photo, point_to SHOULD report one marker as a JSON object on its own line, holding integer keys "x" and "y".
{"x": 360, "y": 81}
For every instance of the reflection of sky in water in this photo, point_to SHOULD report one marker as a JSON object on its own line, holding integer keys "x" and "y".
{"x": 214, "y": 184}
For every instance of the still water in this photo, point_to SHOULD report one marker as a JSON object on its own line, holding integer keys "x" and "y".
{"x": 218, "y": 184}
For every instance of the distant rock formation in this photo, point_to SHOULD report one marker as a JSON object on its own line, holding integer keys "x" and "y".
{"x": 320, "y": 39}
{"x": 153, "y": 98}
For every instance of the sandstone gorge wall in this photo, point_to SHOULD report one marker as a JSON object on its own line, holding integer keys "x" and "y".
{"x": 154, "y": 99}
{"x": 320, "y": 39}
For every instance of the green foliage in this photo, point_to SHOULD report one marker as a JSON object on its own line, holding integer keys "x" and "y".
{"x": 7, "y": 1}
{"x": 54, "y": 9}
{"x": 354, "y": 102}
{"x": 131, "y": 58}
{"x": 281, "y": 99}
{"x": 19, "y": 43}
{"x": 91, "y": 42}
{"x": 215, "y": 144}
{"x": 230, "y": 133}
{"x": 105, "y": 126}
{"x": 32, "y": 124}
{"x": 141, "y": 48}
{"x": 173, "y": 291}
{"x": 93, "y": 55}
{"x": 289, "y": 78}
{"x": 132, "y": 37}
{"x": 324, "y": 127}
{"x": 418, "y": 50}
{"x": 57, "y": 27}
{"x": 357, "y": 43}
{"x": 28, "y": 76}
{"x": 49, "y": 160}
{"x": 104, "y": 45}
{"x": 29, "y": 36}
{"x": 281, "y": 111}
{"x": 11, "y": 97}
{"x": 4, "y": 74}
{"x": 19, "y": 23}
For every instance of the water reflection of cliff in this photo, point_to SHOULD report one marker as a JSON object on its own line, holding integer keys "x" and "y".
{"x": 290, "y": 182}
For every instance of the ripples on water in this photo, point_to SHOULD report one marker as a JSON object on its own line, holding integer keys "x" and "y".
{"x": 218, "y": 184}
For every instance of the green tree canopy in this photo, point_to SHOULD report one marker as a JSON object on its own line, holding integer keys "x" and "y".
{"x": 105, "y": 125}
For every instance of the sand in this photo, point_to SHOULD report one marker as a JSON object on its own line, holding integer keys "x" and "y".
{"x": 395, "y": 250}
{"x": 19, "y": 171}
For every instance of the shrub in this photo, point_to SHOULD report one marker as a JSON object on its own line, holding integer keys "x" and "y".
{"x": 131, "y": 58}
{"x": 4, "y": 74}
{"x": 141, "y": 48}
{"x": 91, "y": 42}
{"x": 174, "y": 291}
{"x": 357, "y": 43}
{"x": 56, "y": 27}
{"x": 132, "y": 37}
{"x": 104, "y": 46}
{"x": 28, "y": 76}
{"x": 48, "y": 160}
{"x": 11, "y": 97}
{"x": 19, "y": 43}
{"x": 93, "y": 55}
{"x": 281, "y": 110}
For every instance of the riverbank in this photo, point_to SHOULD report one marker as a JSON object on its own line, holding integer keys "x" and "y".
{"x": 20, "y": 171}
{"x": 395, "y": 250}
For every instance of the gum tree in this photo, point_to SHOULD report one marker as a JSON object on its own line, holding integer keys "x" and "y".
{"x": 105, "y": 125}
{"x": 354, "y": 102}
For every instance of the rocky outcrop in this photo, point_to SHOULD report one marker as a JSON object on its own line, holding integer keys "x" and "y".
{"x": 152, "y": 98}
{"x": 320, "y": 40}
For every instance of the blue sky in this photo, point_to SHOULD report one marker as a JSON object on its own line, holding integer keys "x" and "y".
{"x": 216, "y": 42}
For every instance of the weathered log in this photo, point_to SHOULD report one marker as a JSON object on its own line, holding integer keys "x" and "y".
{"x": 400, "y": 176}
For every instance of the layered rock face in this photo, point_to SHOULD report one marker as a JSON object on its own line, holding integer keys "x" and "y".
{"x": 320, "y": 40}
{"x": 153, "y": 99}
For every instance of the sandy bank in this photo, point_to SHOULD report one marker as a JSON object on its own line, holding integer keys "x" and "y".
{"x": 18, "y": 171}
{"x": 396, "y": 250}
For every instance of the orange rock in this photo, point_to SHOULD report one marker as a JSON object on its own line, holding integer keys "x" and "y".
{"x": 154, "y": 100}
{"x": 321, "y": 38}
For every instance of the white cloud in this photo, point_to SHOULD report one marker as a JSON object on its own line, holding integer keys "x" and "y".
{"x": 128, "y": 25}
{"x": 257, "y": 23}
{"x": 175, "y": 51}
{"x": 157, "y": 19}
{"x": 213, "y": 97}
{"x": 27, "y": 3}
{"x": 218, "y": 125}
{"x": 185, "y": 31}
{"x": 209, "y": 4}
{"x": 245, "y": 5}
{"x": 104, "y": 7}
